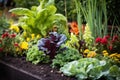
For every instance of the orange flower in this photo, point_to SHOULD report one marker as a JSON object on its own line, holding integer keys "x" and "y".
{"x": 74, "y": 28}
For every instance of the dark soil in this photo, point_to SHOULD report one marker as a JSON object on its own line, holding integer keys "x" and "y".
{"x": 45, "y": 71}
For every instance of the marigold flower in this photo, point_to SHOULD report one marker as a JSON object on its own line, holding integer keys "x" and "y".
{"x": 13, "y": 35}
{"x": 15, "y": 28}
{"x": 16, "y": 45}
{"x": 105, "y": 53}
{"x": 33, "y": 36}
{"x": 38, "y": 36}
{"x": 27, "y": 39}
{"x": 118, "y": 55}
{"x": 6, "y": 34}
{"x": 24, "y": 45}
{"x": 86, "y": 51}
{"x": 113, "y": 55}
{"x": 91, "y": 54}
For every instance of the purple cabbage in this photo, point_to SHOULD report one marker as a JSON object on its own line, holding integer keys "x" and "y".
{"x": 51, "y": 44}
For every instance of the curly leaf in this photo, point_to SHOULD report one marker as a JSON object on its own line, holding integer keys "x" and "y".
{"x": 114, "y": 71}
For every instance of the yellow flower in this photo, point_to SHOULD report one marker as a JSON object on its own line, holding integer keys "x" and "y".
{"x": 117, "y": 60}
{"x": 15, "y": 28}
{"x": 33, "y": 36}
{"x": 91, "y": 54}
{"x": 86, "y": 51}
{"x": 24, "y": 45}
{"x": 28, "y": 39}
{"x": 105, "y": 53}
{"x": 113, "y": 55}
{"x": 17, "y": 49}
{"x": 118, "y": 55}
{"x": 38, "y": 36}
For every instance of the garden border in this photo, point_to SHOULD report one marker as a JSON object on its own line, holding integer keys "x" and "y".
{"x": 13, "y": 73}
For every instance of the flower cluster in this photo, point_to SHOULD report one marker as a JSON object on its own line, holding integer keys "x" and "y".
{"x": 6, "y": 41}
{"x": 74, "y": 28}
{"x": 15, "y": 28}
{"x": 9, "y": 43}
{"x": 87, "y": 36}
{"x": 108, "y": 43}
{"x": 115, "y": 57}
{"x": 89, "y": 54}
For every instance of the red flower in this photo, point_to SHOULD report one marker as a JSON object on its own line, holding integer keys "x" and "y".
{"x": 1, "y": 49}
{"x": 13, "y": 35}
{"x": 5, "y": 35}
{"x": 115, "y": 38}
{"x": 107, "y": 37}
{"x": 16, "y": 45}
{"x": 104, "y": 41}
{"x": 97, "y": 40}
{"x": 110, "y": 47}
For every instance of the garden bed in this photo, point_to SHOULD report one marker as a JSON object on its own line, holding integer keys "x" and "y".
{"x": 19, "y": 69}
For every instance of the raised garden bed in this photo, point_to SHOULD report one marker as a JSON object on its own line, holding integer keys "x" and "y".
{"x": 19, "y": 69}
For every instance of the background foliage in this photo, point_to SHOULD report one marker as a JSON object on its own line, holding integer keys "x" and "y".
{"x": 26, "y": 3}
{"x": 70, "y": 11}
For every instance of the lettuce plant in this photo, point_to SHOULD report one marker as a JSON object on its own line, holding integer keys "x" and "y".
{"x": 91, "y": 69}
{"x": 35, "y": 56}
{"x": 52, "y": 43}
{"x": 65, "y": 56}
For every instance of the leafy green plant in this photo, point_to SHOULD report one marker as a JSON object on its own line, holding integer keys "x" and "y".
{"x": 76, "y": 43}
{"x": 95, "y": 15}
{"x": 25, "y": 3}
{"x": 35, "y": 56}
{"x": 91, "y": 68}
{"x": 4, "y": 24}
{"x": 67, "y": 8}
{"x": 41, "y": 19}
{"x": 65, "y": 56}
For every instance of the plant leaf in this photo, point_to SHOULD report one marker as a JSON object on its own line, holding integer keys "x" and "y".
{"x": 22, "y": 11}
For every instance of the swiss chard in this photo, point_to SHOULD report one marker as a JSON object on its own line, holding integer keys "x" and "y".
{"x": 41, "y": 19}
